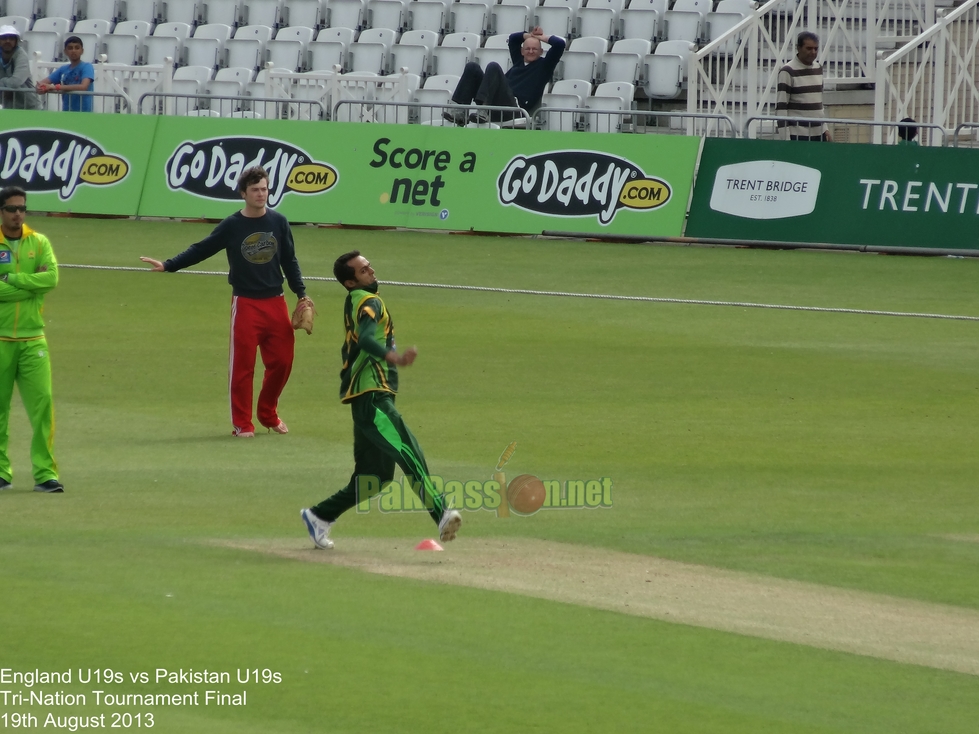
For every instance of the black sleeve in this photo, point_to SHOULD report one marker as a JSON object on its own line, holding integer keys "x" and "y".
{"x": 290, "y": 264}
{"x": 515, "y": 41}
{"x": 200, "y": 251}
{"x": 555, "y": 52}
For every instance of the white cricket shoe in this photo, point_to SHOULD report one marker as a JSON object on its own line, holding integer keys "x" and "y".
{"x": 449, "y": 526}
{"x": 319, "y": 530}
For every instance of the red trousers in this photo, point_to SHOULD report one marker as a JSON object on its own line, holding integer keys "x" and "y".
{"x": 259, "y": 324}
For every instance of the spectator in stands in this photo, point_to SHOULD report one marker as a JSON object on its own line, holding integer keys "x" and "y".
{"x": 907, "y": 134}
{"x": 75, "y": 76}
{"x": 16, "y": 88}
{"x": 800, "y": 92}
{"x": 523, "y": 85}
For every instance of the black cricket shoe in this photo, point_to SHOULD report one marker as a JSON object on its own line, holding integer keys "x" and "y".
{"x": 50, "y": 486}
{"x": 4, "y": 484}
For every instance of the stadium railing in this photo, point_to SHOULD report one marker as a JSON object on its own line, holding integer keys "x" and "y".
{"x": 216, "y": 105}
{"x": 714, "y": 124}
{"x": 973, "y": 138}
{"x": 835, "y": 123}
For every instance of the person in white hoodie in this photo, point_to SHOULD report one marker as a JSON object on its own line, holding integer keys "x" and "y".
{"x": 17, "y": 91}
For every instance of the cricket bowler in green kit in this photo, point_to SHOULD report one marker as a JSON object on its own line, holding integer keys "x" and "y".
{"x": 369, "y": 383}
{"x": 28, "y": 270}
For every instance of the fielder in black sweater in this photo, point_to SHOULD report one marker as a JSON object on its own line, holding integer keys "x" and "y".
{"x": 259, "y": 249}
{"x": 523, "y": 85}
{"x": 261, "y": 256}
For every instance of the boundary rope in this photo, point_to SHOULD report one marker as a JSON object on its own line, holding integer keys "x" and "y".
{"x": 600, "y": 296}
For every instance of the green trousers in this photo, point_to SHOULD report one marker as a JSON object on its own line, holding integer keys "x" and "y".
{"x": 381, "y": 440}
{"x": 28, "y": 364}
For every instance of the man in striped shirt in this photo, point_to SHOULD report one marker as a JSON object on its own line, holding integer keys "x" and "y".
{"x": 800, "y": 92}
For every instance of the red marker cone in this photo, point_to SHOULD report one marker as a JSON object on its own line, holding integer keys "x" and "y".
{"x": 428, "y": 545}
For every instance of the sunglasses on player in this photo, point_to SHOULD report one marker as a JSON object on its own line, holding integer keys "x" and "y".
{"x": 12, "y": 209}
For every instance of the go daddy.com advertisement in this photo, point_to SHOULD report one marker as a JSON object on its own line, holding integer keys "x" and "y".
{"x": 426, "y": 178}
{"x": 95, "y": 164}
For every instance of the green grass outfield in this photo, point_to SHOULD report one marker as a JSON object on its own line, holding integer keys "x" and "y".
{"x": 829, "y": 448}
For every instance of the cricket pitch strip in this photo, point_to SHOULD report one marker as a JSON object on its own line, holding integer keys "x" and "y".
{"x": 863, "y": 623}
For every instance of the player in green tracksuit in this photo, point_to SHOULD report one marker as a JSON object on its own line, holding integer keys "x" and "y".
{"x": 28, "y": 270}
{"x": 369, "y": 383}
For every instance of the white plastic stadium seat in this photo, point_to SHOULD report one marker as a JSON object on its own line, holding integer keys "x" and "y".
{"x": 285, "y": 54}
{"x": 57, "y": 25}
{"x": 345, "y": 14}
{"x": 247, "y": 48}
{"x": 262, "y": 12}
{"x": 386, "y": 14}
{"x": 565, "y": 94}
{"x": 583, "y": 57}
{"x": 622, "y": 66}
{"x": 206, "y": 46}
{"x": 228, "y": 83}
{"x": 370, "y": 52}
{"x": 456, "y": 51}
{"x": 510, "y": 14}
{"x": 639, "y": 22}
{"x": 557, "y": 16}
{"x": 468, "y": 17}
{"x": 188, "y": 80}
{"x": 665, "y": 71}
{"x": 307, "y": 13}
{"x": 146, "y": 10}
{"x": 685, "y": 21}
{"x": 487, "y": 54}
{"x": 66, "y": 9}
{"x": 183, "y": 11}
{"x": 21, "y": 8}
{"x": 125, "y": 44}
{"x": 102, "y": 10}
{"x": 48, "y": 44}
{"x": 599, "y": 18}
{"x": 414, "y": 52}
{"x": 167, "y": 40}
{"x": 438, "y": 90}
{"x": 611, "y": 96}
{"x": 330, "y": 48}
{"x": 301, "y": 34}
{"x": 368, "y": 57}
{"x": 427, "y": 15}
{"x": 97, "y": 26}
{"x": 227, "y": 12}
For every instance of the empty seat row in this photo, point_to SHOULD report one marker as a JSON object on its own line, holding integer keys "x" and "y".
{"x": 193, "y": 12}
{"x": 567, "y": 18}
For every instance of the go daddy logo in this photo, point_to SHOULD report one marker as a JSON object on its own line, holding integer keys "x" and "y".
{"x": 40, "y": 160}
{"x": 579, "y": 183}
{"x": 211, "y": 168}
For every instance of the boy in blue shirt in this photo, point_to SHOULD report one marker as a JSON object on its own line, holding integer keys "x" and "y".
{"x": 75, "y": 76}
